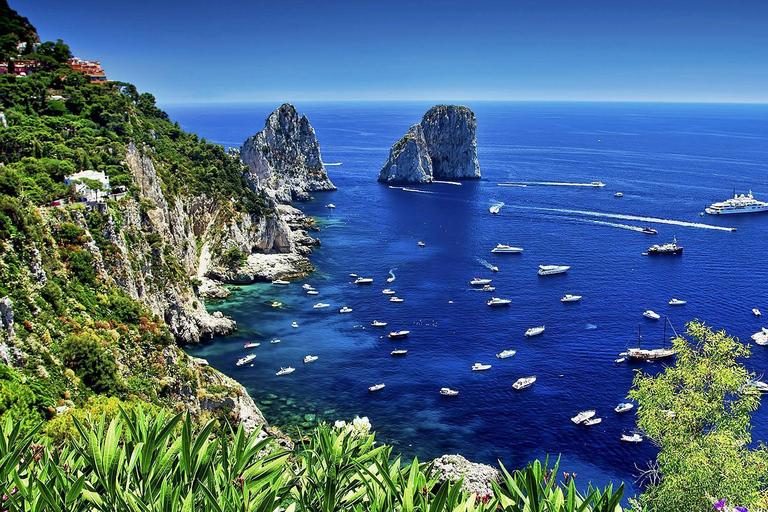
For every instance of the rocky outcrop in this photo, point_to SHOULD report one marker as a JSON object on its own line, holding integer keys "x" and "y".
{"x": 477, "y": 477}
{"x": 284, "y": 158}
{"x": 442, "y": 147}
{"x": 6, "y": 317}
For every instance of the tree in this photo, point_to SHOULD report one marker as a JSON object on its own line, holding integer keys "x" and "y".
{"x": 699, "y": 414}
{"x": 59, "y": 51}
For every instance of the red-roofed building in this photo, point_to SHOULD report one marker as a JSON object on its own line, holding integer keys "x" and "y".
{"x": 90, "y": 68}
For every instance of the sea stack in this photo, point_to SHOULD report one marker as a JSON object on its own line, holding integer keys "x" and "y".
{"x": 442, "y": 147}
{"x": 284, "y": 158}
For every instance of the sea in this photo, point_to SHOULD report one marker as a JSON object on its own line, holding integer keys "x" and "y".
{"x": 669, "y": 160}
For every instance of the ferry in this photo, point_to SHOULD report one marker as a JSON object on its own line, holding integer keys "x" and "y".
{"x": 502, "y": 248}
{"x": 737, "y": 204}
{"x": 548, "y": 270}
{"x": 668, "y": 248}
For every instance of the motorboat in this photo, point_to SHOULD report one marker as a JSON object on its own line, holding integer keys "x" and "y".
{"x": 618, "y": 194}
{"x": 352, "y": 275}
{"x": 497, "y": 302}
{"x": 480, "y": 282}
{"x": 757, "y": 385}
{"x": 307, "y": 286}
{"x": 570, "y": 298}
{"x": 387, "y": 291}
{"x": 398, "y": 352}
{"x": 651, "y": 354}
{"x": 488, "y": 288}
{"x": 448, "y": 392}
{"x": 649, "y": 313}
{"x": 281, "y": 281}
{"x": 285, "y": 371}
{"x": 495, "y": 209}
{"x": 761, "y": 337}
{"x": 677, "y": 302}
{"x": 668, "y": 248}
{"x": 321, "y": 305}
{"x": 737, "y": 204}
{"x": 506, "y": 353}
{"x": 756, "y": 312}
{"x": 274, "y": 340}
{"x": 310, "y": 359}
{"x": 592, "y": 421}
{"x": 534, "y": 331}
{"x": 331, "y": 206}
{"x": 548, "y": 270}
{"x": 506, "y": 249}
{"x": 478, "y": 367}
{"x": 395, "y": 299}
{"x": 312, "y": 292}
{"x": 597, "y": 184}
{"x": 245, "y": 359}
{"x": 583, "y": 416}
{"x": 390, "y": 279}
{"x": 624, "y": 407}
{"x": 620, "y": 360}
{"x": 251, "y": 344}
{"x": 422, "y": 244}
{"x": 276, "y": 304}
{"x": 376, "y": 387}
{"x": 495, "y": 268}
{"x": 294, "y": 324}
{"x": 363, "y": 280}
{"x": 345, "y": 309}
{"x": 398, "y": 334}
{"x": 376, "y": 323}
{"x": 650, "y": 231}
{"x": 634, "y": 438}
{"x": 524, "y": 382}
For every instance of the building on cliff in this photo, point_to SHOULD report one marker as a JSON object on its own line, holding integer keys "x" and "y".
{"x": 90, "y": 68}
{"x": 81, "y": 180}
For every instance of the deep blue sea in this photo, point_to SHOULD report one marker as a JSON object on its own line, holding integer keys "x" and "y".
{"x": 668, "y": 160}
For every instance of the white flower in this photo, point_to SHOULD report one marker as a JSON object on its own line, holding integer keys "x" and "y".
{"x": 362, "y": 424}
{"x": 340, "y": 424}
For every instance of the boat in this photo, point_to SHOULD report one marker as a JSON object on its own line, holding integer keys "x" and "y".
{"x": 761, "y": 337}
{"x": 480, "y": 282}
{"x": 649, "y": 354}
{"x": 312, "y": 292}
{"x": 649, "y": 313}
{"x": 668, "y": 248}
{"x": 488, "y": 288}
{"x": 395, "y": 299}
{"x": 597, "y": 184}
{"x": 618, "y": 194}
{"x": 650, "y": 231}
{"x": 677, "y": 302}
{"x": 376, "y": 387}
{"x": 495, "y": 209}
{"x": 534, "y": 331}
{"x": 398, "y": 352}
{"x": 634, "y": 438}
{"x": 352, "y": 275}
{"x": 294, "y": 324}
{"x": 276, "y": 304}
{"x": 390, "y": 279}
{"x": 495, "y": 268}
{"x": 310, "y": 359}
{"x": 620, "y": 360}
{"x": 321, "y": 305}
{"x": 363, "y": 280}
{"x": 307, "y": 286}
{"x": 281, "y": 281}
{"x": 506, "y": 249}
{"x": 570, "y": 298}
{"x": 623, "y": 407}
{"x": 496, "y": 302}
{"x": 387, "y": 291}
{"x": 398, "y": 334}
{"x": 592, "y": 421}
{"x": 448, "y": 392}
{"x": 376, "y": 323}
{"x": 345, "y": 309}
{"x": 285, "y": 371}
{"x": 757, "y": 385}
{"x": 583, "y": 416}
{"x": 245, "y": 359}
{"x": 331, "y": 206}
{"x": 274, "y": 340}
{"x": 756, "y": 312}
{"x": 737, "y": 204}
{"x": 478, "y": 367}
{"x": 506, "y": 353}
{"x": 251, "y": 344}
{"x": 548, "y": 270}
{"x": 524, "y": 382}
{"x": 422, "y": 244}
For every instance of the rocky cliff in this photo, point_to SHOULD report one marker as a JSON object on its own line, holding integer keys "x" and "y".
{"x": 284, "y": 158}
{"x": 442, "y": 147}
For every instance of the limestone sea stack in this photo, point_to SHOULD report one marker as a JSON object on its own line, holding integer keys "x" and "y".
{"x": 284, "y": 158}
{"x": 442, "y": 147}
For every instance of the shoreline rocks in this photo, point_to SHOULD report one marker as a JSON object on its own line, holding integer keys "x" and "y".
{"x": 477, "y": 477}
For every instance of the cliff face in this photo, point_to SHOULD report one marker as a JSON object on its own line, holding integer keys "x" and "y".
{"x": 284, "y": 158}
{"x": 442, "y": 147}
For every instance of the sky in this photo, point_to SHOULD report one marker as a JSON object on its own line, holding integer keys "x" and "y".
{"x": 359, "y": 50}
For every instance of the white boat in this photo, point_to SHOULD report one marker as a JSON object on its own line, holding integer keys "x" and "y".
{"x": 245, "y": 359}
{"x": 756, "y": 312}
{"x": 737, "y": 204}
{"x": 488, "y": 288}
{"x": 758, "y": 385}
{"x": 495, "y": 209}
{"x": 274, "y": 340}
{"x": 624, "y": 407}
{"x": 285, "y": 371}
{"x": 376, "y": 387}
{"x": 548, "y": 270}
{"x": 422, "y": 244}
{"x": 656, "y": 353}
{"x": 620, "y": 360}
{"x": 281, "y": 281}
{"x": 761, "y": 337}
{"x": 618, "y": 194}
{"x": 395, "y": 299}
{"x": 534, "y": 331}
{"x": 387, "y": 291}
{"x": 331, "y": 206}
{"x": 448, "y": 392}
{"x": 597, "y": 184}
{"x": 634, "y": 438}
{"x": 352, "y": 275}
{"x": 363, "y": 280}
{"x": 398, "y": 334}
{"x": 592, "y": 421}
{"x": 668, "y": 248}
{"x": 390, "y": 279}
{"x": 321, "y": 305}
{"x": 307, "y": 286}
{"x": 496, "y": 302}
{"x": 583, "y": 416}
{"x": 310, "y": 359}
{"x": 294, "y": 324}
{"x": 506, "y": 249}
{"x": 477, "y": 367}
{"x": 524, "y": 382}
{"x": 376, "y": 323}
{"x": 570, "y": 298}
{"x": 312, "y": 292}
{"x": 276, "y": 304}
{"x": 398, "y": 352}
{"x": 345, "y": 309}
{"x": 495, "y": 268}
{"x": 506, "y": 353}
{"x": 251, "y": 344}
{"x": 480, "y": 282}
{"x": 677, "y": 302}
{"x": 649, "y": 313}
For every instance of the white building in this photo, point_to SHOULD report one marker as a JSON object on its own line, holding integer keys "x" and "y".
{"x": 84, "y": 190}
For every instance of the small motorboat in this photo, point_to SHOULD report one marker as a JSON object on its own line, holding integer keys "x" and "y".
{"x": 352, "y": 275}
{"x": 634, "y": 438}
{"x": 395, "y": 299}
{"x": 274, "y": 340}
{"x": 480, "y": 282}
{"x": 448, "y": 392}
{"x": 620, "y": 360}
{"x": 756, "y": 312}
{"x": 294, "y": 324}
{"x": 649, "y": 313}
{"x": 387, "y": 291}
{"x": 477, "y": 367}
{"x": 376, "y": 323}
{"x": 281, "y": 281}
{"x": 488, "y": 288}
{"x": 422, "y": 244}
{"x": 570, "y": 298}
{"x": 276, "y": 304}
{"x": 534, "y": 331}
{"x": 307, "y": 286}
{"x": 592, "y": 421}
{"x": 245, "y": 359}
{"x": 285, "y": 371}
{"x": 310, "y": 359}
{"x": 597, "y": 184}
{"x": 331, "y": 206}
{"x": 506, "y": 353}
{"x": 495, "y": 268}
{"x": 363, "y": 280}
{"x": 583, "y": 416}
{"x": 321, "y": 305}
{"x": 623, "y": 407}
{"x": 251, "y": 344}
{"x": 390, "y": 279}
{"x": 398, "y": 352}
{"x": 761, "y": 337}
{"x": 524, "y": 382}
{"x": 677, "y": 302}
{"x": 397, "y": 334}
{"x": 376, "y": 387}
{"x": 497, "y": 302}
{"x": 650, "y": 231}
{"x": 495, "y": 209}
{"x": 618, "y": 194}
{"x": 345, "y": 309}
{"x": 312, "y": 292}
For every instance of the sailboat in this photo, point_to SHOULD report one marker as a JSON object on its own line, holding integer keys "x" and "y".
{"x": 656, "y": 353}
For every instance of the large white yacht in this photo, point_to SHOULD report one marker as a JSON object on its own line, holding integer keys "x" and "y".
{"x": 496, "y": 302}
{"x": 548, "y": 270}
{"x": 737, "y": 204}
{"x": 506, "y": 249}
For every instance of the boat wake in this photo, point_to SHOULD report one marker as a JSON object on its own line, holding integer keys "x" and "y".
{"x": 590, "y": 327}
{"x": 325, "y": 164}
{"x": 551, "y": 183}
{"x": 485, "y": 263}
{"x": 447, "y": 182}
{"x": 392, "y": 275}
{"x": 416, "y": 190}
{"x": 511, "y": 185}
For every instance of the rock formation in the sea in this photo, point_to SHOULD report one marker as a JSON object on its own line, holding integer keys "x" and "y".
{"x": 442, "y": 147}
{"x": 284, "y": 158}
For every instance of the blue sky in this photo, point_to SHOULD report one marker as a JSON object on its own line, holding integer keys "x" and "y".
{"x": 289, "y": 50}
